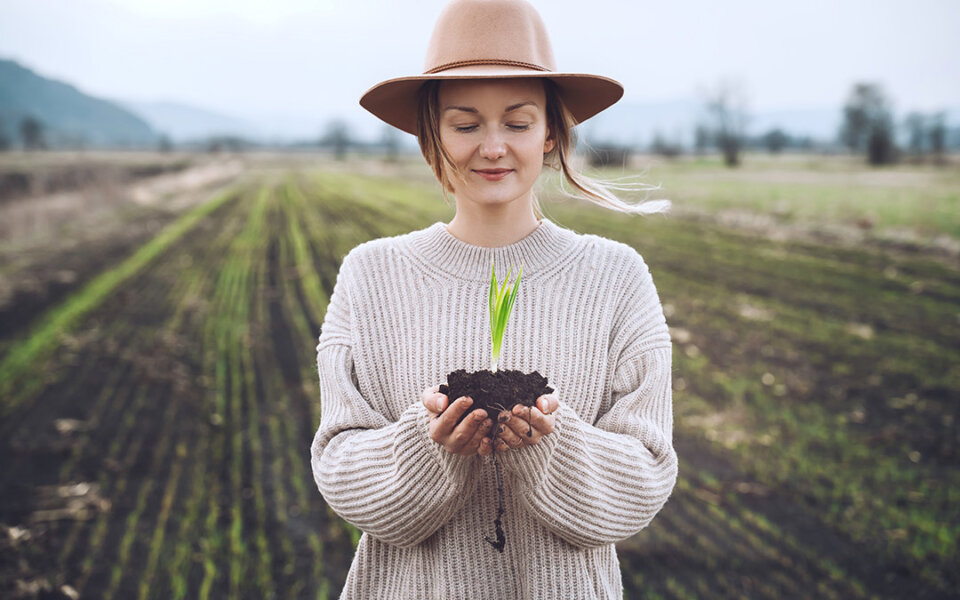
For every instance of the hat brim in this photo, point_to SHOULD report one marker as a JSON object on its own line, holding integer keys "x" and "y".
{"x": 394, "y": 101}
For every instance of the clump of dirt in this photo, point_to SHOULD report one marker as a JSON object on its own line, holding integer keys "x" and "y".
{"x": 496, "y": 392}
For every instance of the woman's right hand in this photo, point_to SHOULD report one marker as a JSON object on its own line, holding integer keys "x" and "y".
{"x": 464, "y": 439}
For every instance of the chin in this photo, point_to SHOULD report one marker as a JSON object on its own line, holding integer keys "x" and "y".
{"x": 491, "y": 197}
{"x": 494, "y": 201}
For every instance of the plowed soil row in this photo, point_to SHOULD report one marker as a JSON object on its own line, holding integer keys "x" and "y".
{"x": 166, "y": 453}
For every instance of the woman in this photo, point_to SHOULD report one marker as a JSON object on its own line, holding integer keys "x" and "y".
{"x": 389, "y": 456}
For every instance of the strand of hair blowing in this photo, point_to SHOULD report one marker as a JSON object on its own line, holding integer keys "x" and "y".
{"x": 561, "y": 123}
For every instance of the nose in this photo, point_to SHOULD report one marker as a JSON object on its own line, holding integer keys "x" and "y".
{"x": 492, "y": 147}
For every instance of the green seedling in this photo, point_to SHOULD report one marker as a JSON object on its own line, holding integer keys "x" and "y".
{"x": 501, "y": 303}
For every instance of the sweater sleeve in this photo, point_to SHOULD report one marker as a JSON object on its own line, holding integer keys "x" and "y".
{"x": 389, "y": 479}
{"x": 598, "y": 483}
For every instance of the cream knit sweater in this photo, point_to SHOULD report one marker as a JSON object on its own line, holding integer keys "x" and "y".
{"x": 405, "y": 311}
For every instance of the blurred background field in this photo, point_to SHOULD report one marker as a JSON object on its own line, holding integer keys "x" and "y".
{"x": 159, "y": 396}
{"x": 180, "y": 179}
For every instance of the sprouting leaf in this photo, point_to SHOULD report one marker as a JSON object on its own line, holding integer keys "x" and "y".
{"x": 501, "y": 304}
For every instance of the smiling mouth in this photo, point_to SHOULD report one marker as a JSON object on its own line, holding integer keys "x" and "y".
{"x": 493, "y": 174}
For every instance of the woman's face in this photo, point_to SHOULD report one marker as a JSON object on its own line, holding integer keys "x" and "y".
{"x": 495, "y": 130}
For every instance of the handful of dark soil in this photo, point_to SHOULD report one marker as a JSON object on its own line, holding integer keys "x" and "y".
{"x": 495, "y": 393}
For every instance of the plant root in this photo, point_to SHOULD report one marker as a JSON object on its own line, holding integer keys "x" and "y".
{"x": 500, "y": 540}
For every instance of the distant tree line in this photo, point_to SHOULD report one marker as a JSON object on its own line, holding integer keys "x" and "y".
{"x": 867, "y": 128}
{"x": 339, "y": 140}
{"x": 31, "y": 133}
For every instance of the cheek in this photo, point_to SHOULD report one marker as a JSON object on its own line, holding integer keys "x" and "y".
{"x": 537, "y": 146}
{"x": 533, "y": 152}
{"x": 455, "y": 147}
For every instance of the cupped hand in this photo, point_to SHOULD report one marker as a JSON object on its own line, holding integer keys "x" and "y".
{"x": 464, "y": 439}
{"x": 524, "y": 425}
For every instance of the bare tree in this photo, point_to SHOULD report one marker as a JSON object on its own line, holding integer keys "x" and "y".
{"x": 390, "y": 140}
{"x": 938, "y": 135}
{"x": 32, "y": 133}
{"x": 916, "y": 124}
{"x": 5, "y": 141}
{"x": 216, "y": 144}
{"x": 701, "y": 138}
{"x": 775, "y": 140}
{"x": 661, "y": 146}
{"x": 868, "y": 124}
{"x": 726, "y": 104}
{"x": 164, "y": 143}
{"x": 337, "y": 138}
{"x": 880, "y": 147}
{"x": 926, "y": 134}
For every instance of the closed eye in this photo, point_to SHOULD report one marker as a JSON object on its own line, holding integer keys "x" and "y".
{"x": 469, "y": 128}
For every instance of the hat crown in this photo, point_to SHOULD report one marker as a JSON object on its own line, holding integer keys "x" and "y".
{"x": 489, "y": 32}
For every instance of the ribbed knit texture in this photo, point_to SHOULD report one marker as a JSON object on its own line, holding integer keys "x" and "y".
{"x": 405, "y": 311}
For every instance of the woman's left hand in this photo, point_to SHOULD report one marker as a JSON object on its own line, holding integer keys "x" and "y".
{"x": 538, "y": 421}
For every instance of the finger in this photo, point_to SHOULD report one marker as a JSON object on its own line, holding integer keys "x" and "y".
{"x": 529, "y": 435}
{"x": 542, "y": 424}
{"x": 520, "y": 422}
{"x": 510, "y": 435}
{"x": 548, "y": 404}
{"x": 464, "y": 433}
{"x": 430, "y": 391}
{"x": 473, "y": 446}
{"x": 428, "y": 395}
{"x": 486, "y": 446}
{"x": 425, "y": 396}
{"x": 435, "y": 403}
{"x": 512, "y": 424}
{"x": 452, "y": 413}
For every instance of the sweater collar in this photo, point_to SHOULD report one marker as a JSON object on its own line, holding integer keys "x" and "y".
{"x": 440, "y": 250}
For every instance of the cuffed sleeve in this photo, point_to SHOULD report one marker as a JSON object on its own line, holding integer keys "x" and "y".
{"x": 389, "y": 479}
{"x": 599, "y": 483}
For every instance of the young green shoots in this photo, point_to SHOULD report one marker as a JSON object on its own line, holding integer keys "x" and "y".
{"x": 501, "y": 303}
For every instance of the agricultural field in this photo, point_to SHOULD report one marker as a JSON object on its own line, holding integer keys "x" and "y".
{"x": 157, "y": 407}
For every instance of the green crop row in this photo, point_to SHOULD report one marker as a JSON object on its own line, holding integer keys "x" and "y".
{"x": 18, "y": 377}
{"x": 822, "y": 375}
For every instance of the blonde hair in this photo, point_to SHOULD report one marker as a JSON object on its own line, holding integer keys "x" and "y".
{"x": 560, "y": 124}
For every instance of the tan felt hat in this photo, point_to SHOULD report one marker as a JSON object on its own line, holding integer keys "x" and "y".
{"x": 476, "y": 39}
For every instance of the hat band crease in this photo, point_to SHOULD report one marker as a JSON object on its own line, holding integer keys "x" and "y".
{"x": 485, "y": 61}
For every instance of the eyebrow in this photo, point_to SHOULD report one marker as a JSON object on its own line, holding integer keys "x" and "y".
{"x": 470, "y": 109}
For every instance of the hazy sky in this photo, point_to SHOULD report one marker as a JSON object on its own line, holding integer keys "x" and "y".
{"x": 316, "y": 57}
